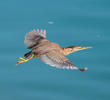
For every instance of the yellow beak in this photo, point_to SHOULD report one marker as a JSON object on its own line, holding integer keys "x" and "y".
{"x": 81, "y": 48}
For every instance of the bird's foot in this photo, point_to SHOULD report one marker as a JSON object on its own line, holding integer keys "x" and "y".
{"x": 22, "y": 60}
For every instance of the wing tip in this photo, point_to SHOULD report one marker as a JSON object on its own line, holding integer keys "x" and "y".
{"x": 83, "y": 69}
{"x": 38, "y": 31}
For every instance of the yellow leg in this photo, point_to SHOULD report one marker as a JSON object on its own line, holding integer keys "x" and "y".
{"x": 22, "y": 60}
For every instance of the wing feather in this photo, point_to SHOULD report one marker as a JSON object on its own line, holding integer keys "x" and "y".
{"x": 33, "y": 37}
{"x": 55, "y": 58}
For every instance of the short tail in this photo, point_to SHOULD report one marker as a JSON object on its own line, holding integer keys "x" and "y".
{"x": 29, "y": 55}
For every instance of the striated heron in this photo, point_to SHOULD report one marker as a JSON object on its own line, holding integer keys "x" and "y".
{"x": 48, "y": 52}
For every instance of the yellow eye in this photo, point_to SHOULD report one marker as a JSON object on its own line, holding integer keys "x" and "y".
{"x": 70, "y": 49}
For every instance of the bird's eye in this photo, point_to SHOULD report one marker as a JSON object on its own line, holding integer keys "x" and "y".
{"x": 70, "y": 49}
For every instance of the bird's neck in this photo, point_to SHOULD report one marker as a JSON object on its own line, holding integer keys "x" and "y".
{"x": 65, "y": 51}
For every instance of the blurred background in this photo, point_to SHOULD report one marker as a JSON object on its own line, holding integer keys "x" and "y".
{"x": 68, "y": 22}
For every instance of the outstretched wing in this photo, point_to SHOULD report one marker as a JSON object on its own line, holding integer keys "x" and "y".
{"x": 33, "y": 37}
{"x": 55, "y": 58}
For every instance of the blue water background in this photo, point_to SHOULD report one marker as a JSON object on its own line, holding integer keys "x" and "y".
{"x": 68, "y": 22}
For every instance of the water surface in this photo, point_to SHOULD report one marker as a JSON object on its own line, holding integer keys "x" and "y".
{"x": 68, "y": 22}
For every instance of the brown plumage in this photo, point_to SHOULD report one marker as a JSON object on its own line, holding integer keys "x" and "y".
{"x": 48, "y": 52}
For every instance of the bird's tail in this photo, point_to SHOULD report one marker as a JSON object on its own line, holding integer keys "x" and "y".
{"x": 29, "y": 55}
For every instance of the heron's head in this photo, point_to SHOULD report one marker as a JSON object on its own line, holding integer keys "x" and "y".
{"x": 72, "y": 49}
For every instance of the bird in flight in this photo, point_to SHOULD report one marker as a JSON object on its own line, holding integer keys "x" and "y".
{"x": 49, "y": 52}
